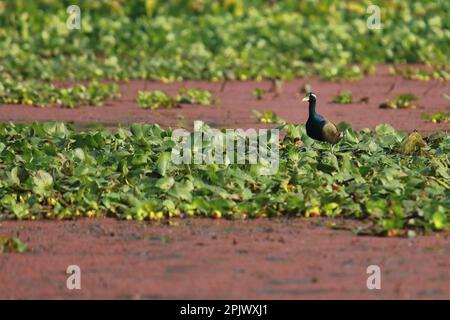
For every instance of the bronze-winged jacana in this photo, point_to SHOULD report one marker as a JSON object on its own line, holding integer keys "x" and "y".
{"x": 317, "y": 127}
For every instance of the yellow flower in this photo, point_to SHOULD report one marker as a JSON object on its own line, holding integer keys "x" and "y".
{"x": 313, "y": 212}
{"x": 392, "y": 233}
{"x": 217, "y": 214}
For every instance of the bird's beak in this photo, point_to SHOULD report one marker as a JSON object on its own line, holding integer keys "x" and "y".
{"x": 305, "y": 99}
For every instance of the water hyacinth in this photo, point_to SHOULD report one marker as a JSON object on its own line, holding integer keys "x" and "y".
{"x": 51, "y": 170}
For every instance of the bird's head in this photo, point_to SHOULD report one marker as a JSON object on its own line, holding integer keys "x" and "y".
{"x": 310, "y": 96}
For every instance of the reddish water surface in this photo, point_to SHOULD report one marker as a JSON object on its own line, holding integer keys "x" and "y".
{"x": 219, "y": 259}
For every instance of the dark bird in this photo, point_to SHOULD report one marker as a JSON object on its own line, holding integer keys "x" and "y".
{"x": 317, "y": 127}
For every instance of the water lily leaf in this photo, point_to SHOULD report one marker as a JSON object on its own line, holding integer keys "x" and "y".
{"x": 12, "y": 245}
{"x": 439, "y": 220}
{"x": 413, "y": 143}
{"x": 165, "y": 183}
{"x": 351, "y": 136}
{"x": 42, "y": 182}
{"x": 183, "y": 190}
{"x": 14, "y": 177}
{"x": 163, "y": 162}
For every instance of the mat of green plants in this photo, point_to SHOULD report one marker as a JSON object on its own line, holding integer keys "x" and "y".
{"x": 398, "y": 183}
{"x": 236, "y": 39}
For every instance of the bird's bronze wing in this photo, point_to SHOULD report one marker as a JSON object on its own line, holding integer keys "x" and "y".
{"x": 331, "y": 132}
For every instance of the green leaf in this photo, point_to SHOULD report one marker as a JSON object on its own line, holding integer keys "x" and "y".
{"x": 165, "y": 183}
{"x": 163, "y": 162}
{"x": 412, "y": 143}
{"x": 14, "y": 177}
{"x": 183, "y": 190}
{"x": 439, "y": 220}
{"x": 12, "y": 245}
{"x": 42, "y": 182}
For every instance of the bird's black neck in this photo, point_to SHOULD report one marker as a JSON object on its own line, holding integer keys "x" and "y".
{"x": 312, "y": 108}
